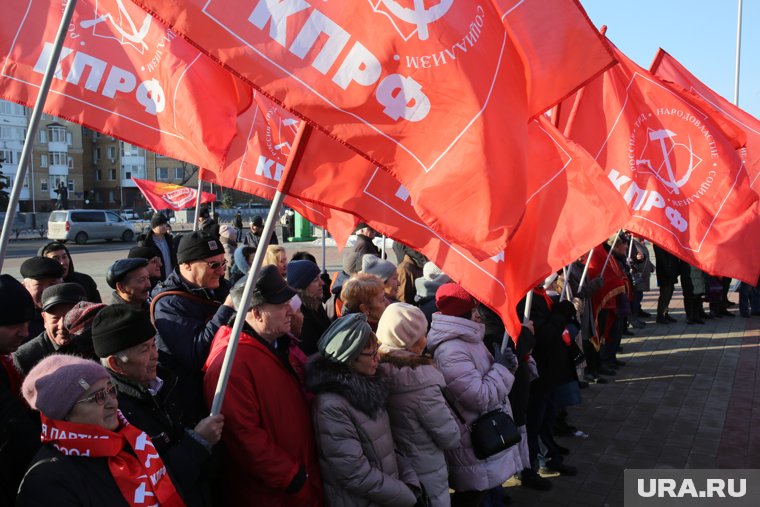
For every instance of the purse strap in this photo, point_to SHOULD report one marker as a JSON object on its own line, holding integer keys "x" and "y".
{"x": 452, "y": 405}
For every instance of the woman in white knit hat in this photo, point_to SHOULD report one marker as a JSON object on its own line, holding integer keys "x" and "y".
{"x": 423, "y": 426}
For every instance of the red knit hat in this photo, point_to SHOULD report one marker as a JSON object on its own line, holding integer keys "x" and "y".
{"x": 451, "y": 299}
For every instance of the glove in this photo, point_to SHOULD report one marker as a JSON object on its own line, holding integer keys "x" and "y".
{"x": 298, "y": 481}
{"x": 506, "y": 358}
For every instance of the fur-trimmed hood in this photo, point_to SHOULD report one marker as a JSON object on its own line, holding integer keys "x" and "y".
{"x": 409, "y": 373}
{"x": 366, "y": 394}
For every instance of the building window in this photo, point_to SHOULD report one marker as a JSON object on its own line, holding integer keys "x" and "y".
{"x": 98, "y": 175}
{"x": 43, "y": 160}
{"x": 59, "y": 158}
{"x": 43, "y": 136}
{"x": 11, "y": 108}
{"x": 112, "y": 174}
{"x": 162, "y": 173}
{"x": 179, "y": 173}
{"x": 112, "y": 153}
{"x": 96, "y": 155}
{"x": 58, "y": 135}
{"x": 43, "y": 184}
{"x": 111, "y": 196}
{"x": 70, "y": 184}
{"x": 6, "y": 157}
{"x": 127, "y": 175}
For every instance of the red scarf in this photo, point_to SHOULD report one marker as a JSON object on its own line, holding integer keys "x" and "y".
{"x": 132, "y": 459}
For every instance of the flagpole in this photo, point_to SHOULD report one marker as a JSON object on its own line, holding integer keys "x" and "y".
{"x": 298, "y": 146}
{"x": 609, "y": 254}
{"x": 585, "y": 271}
{"x": 324, "y": 250}
{"x": 738, "y": 53}
{"x": 198, "y": 201}
{"x": 31, "y": 132}
{"x": 528, "y": 305}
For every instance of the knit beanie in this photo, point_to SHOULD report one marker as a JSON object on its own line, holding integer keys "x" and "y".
{"x": 227, "y": 231}
{"x": 301, "y": 273}
{"x": 198, "y": 245}
{"x": 451, "y": 299}
{"x": 401, "y": 326}
{"x": 57, "y": 382}
{"x": 381, "y": 268}
{"x": 119, "y": 327}
{"x": 432, "y": 278}
{"x": 344, "y": 340}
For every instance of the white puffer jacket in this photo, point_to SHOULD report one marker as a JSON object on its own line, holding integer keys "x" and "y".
{"x": 477, "y": 385}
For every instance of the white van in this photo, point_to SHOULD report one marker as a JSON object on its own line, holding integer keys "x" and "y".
{"x": 82, "y": 225}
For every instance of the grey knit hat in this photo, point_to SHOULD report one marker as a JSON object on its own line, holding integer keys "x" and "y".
{"x": 381, "y": 268}
{"x": 344, "y": 340}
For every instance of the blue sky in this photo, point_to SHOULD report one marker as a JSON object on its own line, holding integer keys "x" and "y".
{"x": 701, "y": 34}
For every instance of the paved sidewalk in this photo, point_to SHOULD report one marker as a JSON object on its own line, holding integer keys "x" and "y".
{"x": 684, "y": 400}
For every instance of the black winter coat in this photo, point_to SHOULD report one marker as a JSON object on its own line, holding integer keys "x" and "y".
{"x": 315, "y": 322}
{"x": 186, "y": 327}
{"x": 39, "y": 347}
{"x": 187, "y": 460}
{"x": 68, "y": 481}
{"x": 19, "y": 439}
{"x": 668, "y": 266}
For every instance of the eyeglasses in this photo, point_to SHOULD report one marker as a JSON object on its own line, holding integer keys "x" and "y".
{"x": 216, "y": 264}
{"x": 372, "y": 354}
{"x": 100, "y": 396}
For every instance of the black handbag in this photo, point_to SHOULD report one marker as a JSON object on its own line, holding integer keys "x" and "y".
{"x": 491, "y": 433}
{"x": 576, "y": 354}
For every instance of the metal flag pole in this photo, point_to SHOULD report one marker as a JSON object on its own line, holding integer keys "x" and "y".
{"x": 382, "y": 250}
{"x": 738, "y": 53}
{"x": 299, "y": 143}
{"x": 609, "y": 254}
{"x": 198, "y": 201}
{"x": 34, "y": 122}
{"x": 585, "y": 270}
{"x": 324, "y": 250}
{"x": 528, "y": 305}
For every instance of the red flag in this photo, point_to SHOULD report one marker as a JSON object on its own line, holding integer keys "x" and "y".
{"x": 123, "y": 74}
{"x": 434, "y": 93}
{"x": 170, "y": 196}
{"x": 669, "y": 69}
{"x": 674, "y": 165}
{"x": 568, "y": 211}
{"x": 257, "y": 159}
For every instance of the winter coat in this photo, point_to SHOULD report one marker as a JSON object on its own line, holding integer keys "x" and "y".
{"x": 150, "y": 242}
{"x": 39, "y": 347}
{"x": 421, "y": 421}
{"x": 185, "y": 329}
{"x": 668, "y": 266}
{"x": 230, "y": 245}
{"x": 19, "y": 432}
{"x": 356, "y": 450}
{"x": 408, "y": 271}
{"x": 68, "y": 481}
{"x": 268, "y": 434}
{"x": 332, "y": 304}
{"x": 86, "y": 281}
{"x": 253, "y": 239}
{"x": 186, "y": 454}
{"x": 643, "y": 268}
{"x": 240, "y": 265}
{"x": 118, "y": 300}
{"x": 210, "y": 227}
{"x": 477, "y": 385}
{"x": 315, "y": 322}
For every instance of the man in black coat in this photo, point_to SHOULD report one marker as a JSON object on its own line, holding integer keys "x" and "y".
{"x": 161, "y": 242}
{"x": 57, "y": 251}
{"x": 19, "y": 426}
{"x": 39, "y": 273}
{"x": 124, "y": 339}
{"x": 253, "y": 237}
{"x": 668, "y": 268}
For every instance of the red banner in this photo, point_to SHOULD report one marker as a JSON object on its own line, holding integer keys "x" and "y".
{"x": 170, "y": 196}
{"x": 676, "y": 168}
{"x": 569, "y": 210}
{"x": 436, "y": 93}
{"x": 257, "y": 159}
{"x": 124, "y": 74}
{"x": 669, "y": 69}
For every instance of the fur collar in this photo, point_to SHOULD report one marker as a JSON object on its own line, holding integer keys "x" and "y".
{"x": 402, "y": 360}
{"x": 366, "y": 394}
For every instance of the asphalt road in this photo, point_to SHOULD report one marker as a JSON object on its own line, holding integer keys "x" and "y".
{"x": 94, "y": 258}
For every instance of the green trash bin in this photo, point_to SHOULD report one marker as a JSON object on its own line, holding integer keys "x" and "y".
{"x": 303, "y": 230}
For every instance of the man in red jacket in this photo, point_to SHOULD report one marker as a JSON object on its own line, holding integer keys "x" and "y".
{"x": 268, "y": 435}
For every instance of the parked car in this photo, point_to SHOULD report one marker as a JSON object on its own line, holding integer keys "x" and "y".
{"x": 82, "y": 225}
{"x": 129, "y": 214}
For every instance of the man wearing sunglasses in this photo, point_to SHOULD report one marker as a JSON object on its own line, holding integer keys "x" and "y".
{"x": 123, "y": 338}
{"x": 187, "y": 310}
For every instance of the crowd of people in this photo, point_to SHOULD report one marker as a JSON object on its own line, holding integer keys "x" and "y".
{"x": 353, "y": 390}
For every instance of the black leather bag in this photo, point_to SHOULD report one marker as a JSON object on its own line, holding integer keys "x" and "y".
{"x": 491, "y": 433}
